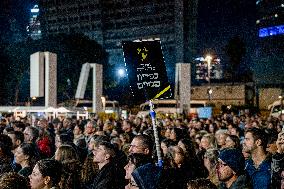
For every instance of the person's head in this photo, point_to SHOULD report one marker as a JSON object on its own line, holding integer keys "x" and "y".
{"x": 231, "y": 163}
{"x": 124, "y": 137}
{"x": 12, "y": 180}
{"x": 208, "y": 141}
{"x": 46, "y": 173}
{"x": 200, "y": 184}
{"x": 104, "y": 152}
{"x": 31, "y": 134}
{"x": 116, "y": 141}
{"x": 280, "y": 142}
{"x": 271, "y": 144}
{"x": 176, "y": 134}
{"x": 64, "y": 138}
{"x": 90, "y": 128}
{"x": 165, "y": 144}
{"x": 5, "y": 146}
{"x": 26, "y": 154}
{"x": 188, "y": 147}
{"x": 78, "y": 130}
{"x": 67, "y": 123}
{"x": 141, "y": 144}
{"x": 255, "y": 139}
{"x": 17, "y": 138}
{"x": 135, "y": 161}
{"x": 232, "y": 141}
{"x": 126, "y": 125}
{"x": 65, "y": 152}
{"x": 175, "y": 157}
{"x": 212, "y": 128}
{"x": 211, "y": 159}
{"x": 19, "y": 126}
{"x": 221, "y": 136}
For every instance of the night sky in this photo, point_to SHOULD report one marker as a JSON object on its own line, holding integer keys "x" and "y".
{"x": 218, "y": 21}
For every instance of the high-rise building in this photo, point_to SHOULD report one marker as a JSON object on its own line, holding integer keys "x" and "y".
{"x": 33, "y": 28}
{"x": 110, "y": 22}
{"x": 270, "y": 56}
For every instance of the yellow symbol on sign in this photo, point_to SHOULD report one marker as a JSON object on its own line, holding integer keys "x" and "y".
{"x": 143, "y": 53}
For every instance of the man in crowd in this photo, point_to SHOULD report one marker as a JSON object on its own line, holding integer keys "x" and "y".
{"x": 31, "y": 134}
{"x": 90, "y": 129}
{"x": 141, "y": 144}
{"x": 231, "y": 170}
{"x": 258, "y": 166}
{"x": 109, "y": 175}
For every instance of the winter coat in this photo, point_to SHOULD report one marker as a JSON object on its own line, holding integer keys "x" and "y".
{"x": 109, "y": 177}
{"x": 147, "y": 176}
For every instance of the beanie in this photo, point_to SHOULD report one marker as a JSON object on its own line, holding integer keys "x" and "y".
{"x": 234, "y": 159}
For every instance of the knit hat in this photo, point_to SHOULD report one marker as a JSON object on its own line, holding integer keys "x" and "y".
{"x": 234, "y": 159}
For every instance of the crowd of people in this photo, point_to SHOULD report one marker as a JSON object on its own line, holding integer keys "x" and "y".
{"x": 228, "y": 151}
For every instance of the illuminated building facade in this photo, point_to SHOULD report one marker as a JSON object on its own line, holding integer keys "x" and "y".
{"x": 110, "y": 22}
{"x": 270, "y": 25}
{"x": 33, "y": 28}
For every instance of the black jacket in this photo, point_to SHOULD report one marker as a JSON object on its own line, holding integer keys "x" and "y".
{"x": 109, "y": 177}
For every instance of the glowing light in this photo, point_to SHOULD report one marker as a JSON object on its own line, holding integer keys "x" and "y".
{"x": 121, "y": 72}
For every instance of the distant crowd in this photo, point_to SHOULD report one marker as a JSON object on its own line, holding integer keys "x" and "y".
{"x": 228, "y": 151}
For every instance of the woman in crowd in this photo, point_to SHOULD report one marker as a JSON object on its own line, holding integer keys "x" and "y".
{"x": 208, "y": 141}
{"x": 165, "y": 144}
{"x": 176, "y": 134}
{"x": 46, "y": 174}
{"x": 71, "y": 171}
{"x": 232, "y": 141}
{"x": 26, "y": 155}
{"x": 134, "y": 160}
{"x": 210, "y": 162}
{"x": 193, "y": 162}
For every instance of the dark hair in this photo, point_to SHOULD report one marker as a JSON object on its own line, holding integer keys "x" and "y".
{"x": 65, "y": 138}
{"x": 34, "y": 133}
{"x": 81, "y": 127}
{"x": 109, "y": 148}
{"x": 18, "y": 135}
{"x": 20, "y": 125}
{"x": 259, "y": 134}
{"x": 139, "y": 159}
{"x": 6, "y": 144}
{"x": 146, "y": 142}
{"x": 236, "y": 140}
{"x": 201, "y": 184}
{"x": 190, "y": 152}
{"x": 12, "y": 180}
{"x": 51, "y": 168}
{"x": 179, "y": 133}
{"x": 168, "y": 142}
{"x": 30, "y": 150}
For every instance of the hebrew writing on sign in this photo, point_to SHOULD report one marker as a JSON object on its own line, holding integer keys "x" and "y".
{"x": 146, "y": 70}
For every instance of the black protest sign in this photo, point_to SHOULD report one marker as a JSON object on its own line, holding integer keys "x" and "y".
{"x": 146, "y": 70}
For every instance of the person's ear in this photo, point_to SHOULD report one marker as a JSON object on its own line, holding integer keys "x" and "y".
{"x": 46, "y": 180}
{"x": 147, "y": 151}
{"x": 107, "y": 157}
{"x": 18, "y": 142}
{"x": 258, "y": 142}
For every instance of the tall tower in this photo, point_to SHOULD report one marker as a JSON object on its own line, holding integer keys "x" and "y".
{"x": 33, "y": 29}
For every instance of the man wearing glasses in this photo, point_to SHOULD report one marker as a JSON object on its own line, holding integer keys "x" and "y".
{"x": 231, "y": 170}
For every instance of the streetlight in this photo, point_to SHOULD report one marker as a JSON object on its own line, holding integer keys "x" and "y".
{"x": 208, "y": 59}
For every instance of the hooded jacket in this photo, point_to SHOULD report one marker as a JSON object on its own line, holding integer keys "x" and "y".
{"x": 147, "y": 176}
